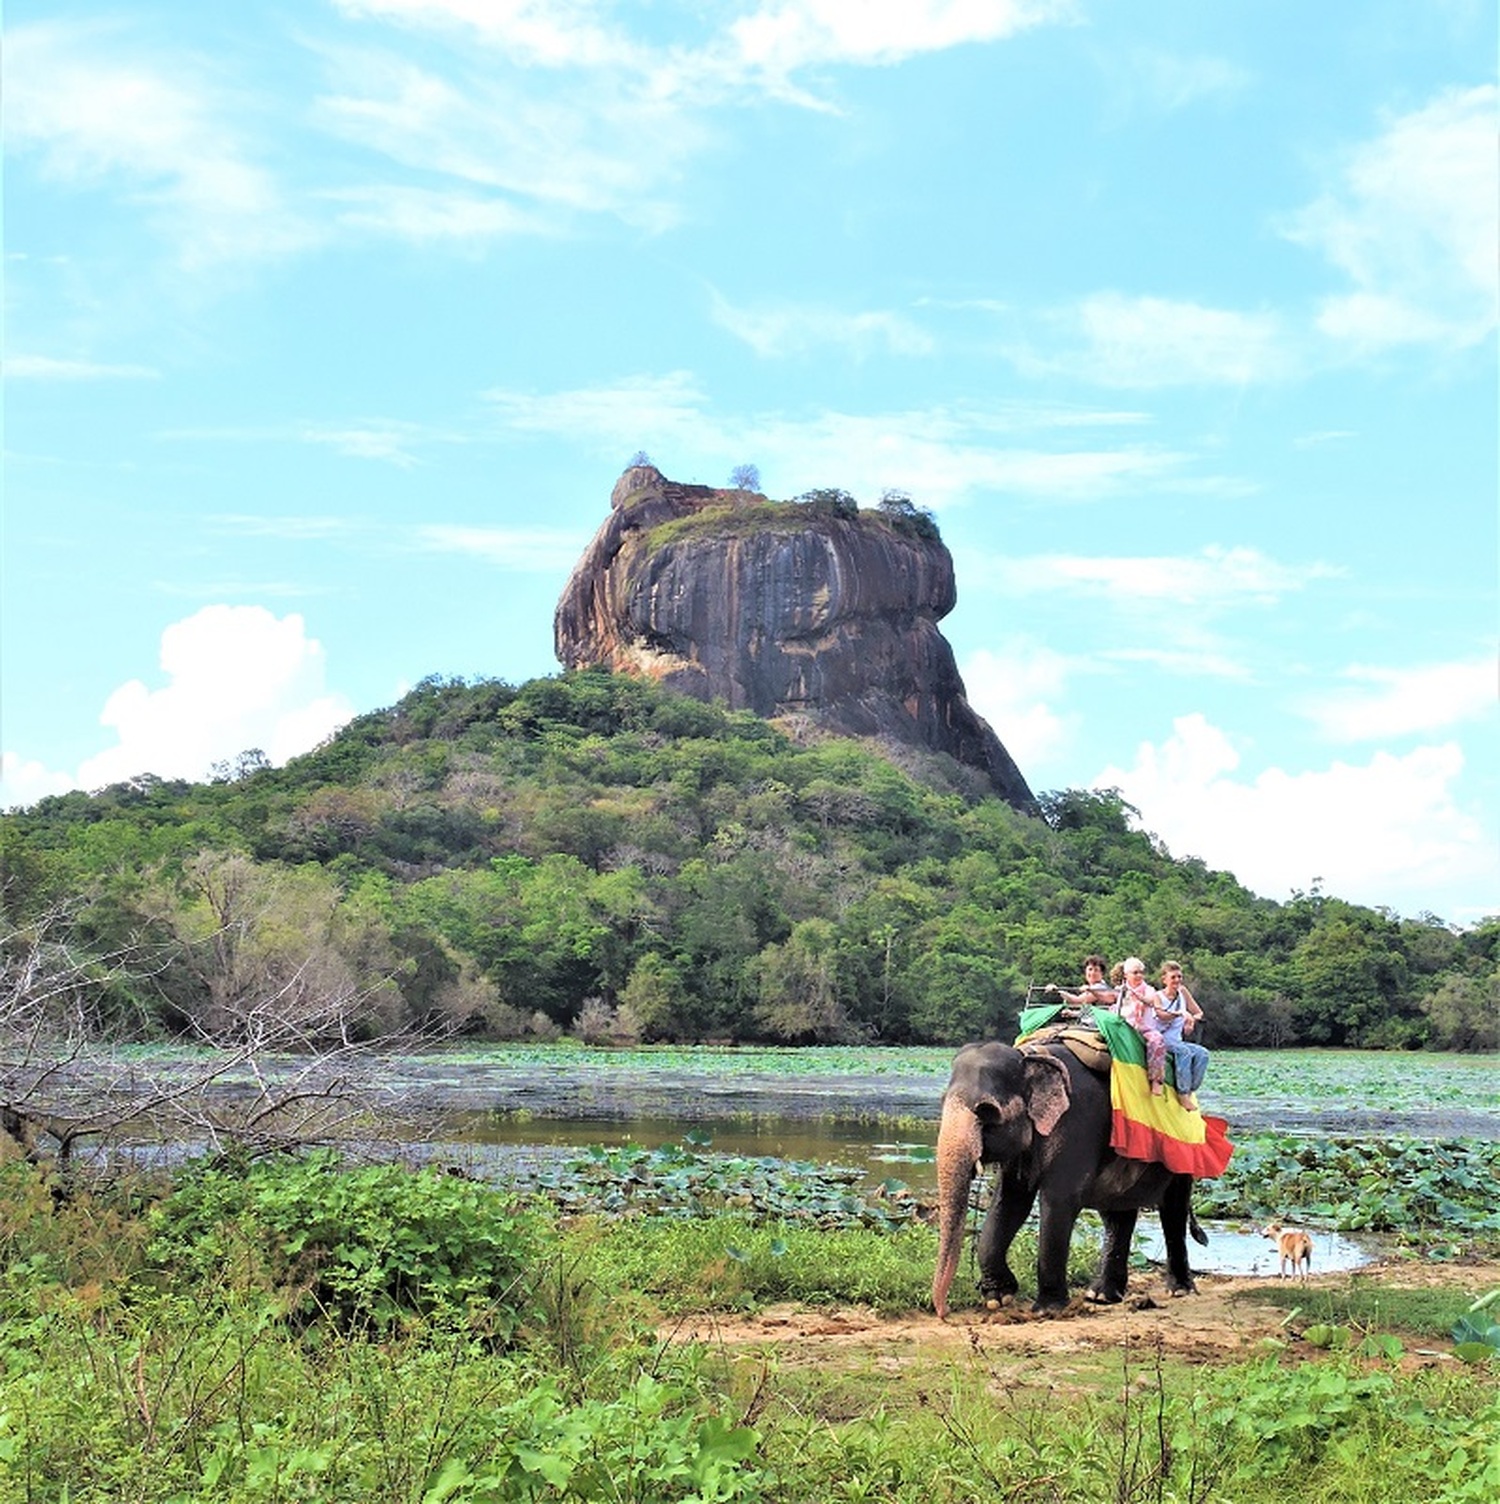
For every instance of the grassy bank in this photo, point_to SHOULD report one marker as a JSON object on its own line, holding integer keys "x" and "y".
{"x": 298, "y": 1333}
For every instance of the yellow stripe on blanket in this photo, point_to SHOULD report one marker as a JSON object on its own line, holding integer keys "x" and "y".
{"x": 1158, "y": 1129}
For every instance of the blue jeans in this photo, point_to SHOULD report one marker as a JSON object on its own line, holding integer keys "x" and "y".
{"x": 1189, "y": 1065}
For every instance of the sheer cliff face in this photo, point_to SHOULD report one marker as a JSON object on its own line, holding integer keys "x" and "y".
{"x": 778, "y": 610}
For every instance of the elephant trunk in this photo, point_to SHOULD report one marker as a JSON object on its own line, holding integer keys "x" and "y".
{"x": 960, "y": 1146}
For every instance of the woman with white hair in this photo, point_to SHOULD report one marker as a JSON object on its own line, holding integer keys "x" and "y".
{"x": 1138, "y": 1004}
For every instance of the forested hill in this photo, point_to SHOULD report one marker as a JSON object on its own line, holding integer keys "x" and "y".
{"x": 591, "y": 852}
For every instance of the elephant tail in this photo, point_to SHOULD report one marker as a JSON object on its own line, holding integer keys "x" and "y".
{"x": 1198, "y": 1234}
{"x": 959, "y": 1148}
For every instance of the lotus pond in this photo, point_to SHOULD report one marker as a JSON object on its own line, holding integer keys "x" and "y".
{"x": 1374, "y": 1146}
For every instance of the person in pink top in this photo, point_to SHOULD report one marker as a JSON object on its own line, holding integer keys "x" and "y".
{"x": 1138, "y": 1004}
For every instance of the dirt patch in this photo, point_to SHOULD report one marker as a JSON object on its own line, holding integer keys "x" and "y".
{"x": 1222, "y": 1323}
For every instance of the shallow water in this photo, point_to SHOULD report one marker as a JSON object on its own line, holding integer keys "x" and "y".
{"x": 499, "y": 1146}
{"x": 1233, "y": 1250}
{"x": 862, "y": 1146}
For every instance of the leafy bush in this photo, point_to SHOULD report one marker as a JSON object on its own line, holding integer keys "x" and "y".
{"x": 360, "y": 1248}
{"x": 831, "y": 501}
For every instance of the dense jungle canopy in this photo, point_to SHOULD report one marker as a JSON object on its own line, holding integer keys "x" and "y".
{"x": 590, "y": 852}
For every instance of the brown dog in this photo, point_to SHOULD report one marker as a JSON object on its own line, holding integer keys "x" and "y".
{"x": 1294, "y": 1248}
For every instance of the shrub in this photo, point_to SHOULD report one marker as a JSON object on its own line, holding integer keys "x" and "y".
{"x": 360, "y": 1248}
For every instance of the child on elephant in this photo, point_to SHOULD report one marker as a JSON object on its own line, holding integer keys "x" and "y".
{"x": 1177, "y": 1014}
{"x": 1138, "y": 1002}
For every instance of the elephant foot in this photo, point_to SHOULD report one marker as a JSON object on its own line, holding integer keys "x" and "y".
{"x": 1178, "y": 1291}
{"x": 1049, "y": 1305}
{"x": 1104, "y": 1297}
{"x": 997, "y": 1302}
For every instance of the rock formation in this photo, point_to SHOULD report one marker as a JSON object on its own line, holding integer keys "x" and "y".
{"x": 779, "y": 608}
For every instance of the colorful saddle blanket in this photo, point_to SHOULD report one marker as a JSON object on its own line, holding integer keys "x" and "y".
{"x": 1160, "y": 1129}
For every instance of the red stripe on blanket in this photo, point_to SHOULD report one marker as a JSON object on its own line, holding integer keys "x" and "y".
{"x": 1136, "y": 1140}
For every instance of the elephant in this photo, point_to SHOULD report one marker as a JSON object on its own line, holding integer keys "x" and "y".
{"x": 1044, "y": 1118}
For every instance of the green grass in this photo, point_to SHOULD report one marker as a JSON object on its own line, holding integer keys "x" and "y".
{"x": 684, "y": 1267}
{"x": 1369, "y": 1303}
{"x": 213, "y": 1384}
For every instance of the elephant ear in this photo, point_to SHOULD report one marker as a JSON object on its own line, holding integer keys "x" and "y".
{"x": 1046, "y": 1091}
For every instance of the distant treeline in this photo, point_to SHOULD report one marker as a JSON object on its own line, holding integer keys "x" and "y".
{"x": 590, "y": 852}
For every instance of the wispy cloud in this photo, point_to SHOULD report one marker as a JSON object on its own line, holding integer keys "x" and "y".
{"x": 782, "y": 37}
{"x": 1377, "y": 704}
{"x": 522, "y": 550}
{"x": 597, "y": 143}
{"x": 1217, "y": 577}
{"x": 628, "y": 412}
{"x": 1415, "y": 226}
{"x": 426, "y": 216}
{"x": 1188, "y": 663}
{"x": 291, "y": 529}
{"x": 464, "y": 144}
{"x": 1324, "y": 436}
{"x": 1142, "y": 343}
{"x": 1171, "y": 81}
{"x": 784, "y": 329}
{"x": 539, "y": 33}
{"x": 93, "y": 108}
{"x": 49, "y": 368}
{"x": 516, "y": 549}
{"x": 943, "y": 455}
{"x": 387, "y": 441}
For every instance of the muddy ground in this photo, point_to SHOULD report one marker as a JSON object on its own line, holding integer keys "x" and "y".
{"x": 1223, "y": 1323}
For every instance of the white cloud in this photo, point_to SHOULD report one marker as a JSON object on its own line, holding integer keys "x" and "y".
{"x": 544, "y": 33}
{"x": 426, "y": 216}
{"x": 92, "y": 114}
{"x": 602, "y": 143}
{"x": 1415, "y": 225}
{"x": 1149, "y": 342}
{"x": 23, "y": 781}
{"x": 1011, "y": 687}
{"x": 1169, "y": 81}
{"x": 784, "y": 35}
{"x": 792, "y": 329}
{"x": 519, "y": 550}
{"x": 942, "y": 455}
{"x": 1386, "y": 832}
{"x": 1192, "y": 663}
{"x": 236, "y": 677}
{"x": 1382, "y": 703}
{"x": 380, "y": 440}
{"x": 49, "y": 368}
{"x": 624, "y": 414}
{"x": 1217, "y": 577}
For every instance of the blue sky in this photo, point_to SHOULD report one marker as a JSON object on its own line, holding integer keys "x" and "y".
{"x": 329, "y": 326}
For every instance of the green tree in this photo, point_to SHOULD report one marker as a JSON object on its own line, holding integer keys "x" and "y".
{"x": 657, "y": 1001}
{"x": 1463, "y": 1012}
{"x": 800, "y": 998}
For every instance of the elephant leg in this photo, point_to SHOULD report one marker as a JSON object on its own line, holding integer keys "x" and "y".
{"x": 1054, "y": 1238}
{"x": 1010, "y": 1209}
{"x": 1114, "y": 1264}
{"x": 1175, "y": 1209}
